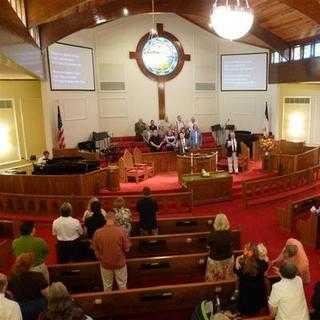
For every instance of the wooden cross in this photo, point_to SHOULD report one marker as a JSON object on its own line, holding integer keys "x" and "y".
{"x": 161, "y": 80}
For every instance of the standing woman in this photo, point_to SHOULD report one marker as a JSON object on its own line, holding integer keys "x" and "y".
{"x": 250, "y": 270}
{"x": 94, "y": 221}
{"x": 123, "y": 215}
{"x": 294, "y": 252}
{"x": 220, "y": 261}
{"x": 68, "y": 231}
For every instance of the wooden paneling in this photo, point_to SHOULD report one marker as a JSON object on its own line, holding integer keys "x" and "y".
{"x": 77, "y": 184}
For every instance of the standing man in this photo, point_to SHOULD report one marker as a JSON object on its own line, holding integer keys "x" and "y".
{"x": 192, "y": 123}
{"x": 287, "y": 299}
{"x": 232, "y": 153}
{"x": 27, "y": 242}
{"x": 139, "y": 128}
{"x": 183, "y": 144}
{"x": 110, "y": 245}
{"x": 179, "y": 124}
{"x": 10, "y": 310}
{"x": 195, "y": 137}
{"x": 147, "y": 208}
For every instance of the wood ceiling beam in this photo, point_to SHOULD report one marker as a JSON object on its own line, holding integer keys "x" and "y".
{"x": 310, "y": 8}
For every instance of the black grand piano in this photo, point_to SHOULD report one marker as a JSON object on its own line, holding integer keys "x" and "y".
{"x": 65, "y": 165}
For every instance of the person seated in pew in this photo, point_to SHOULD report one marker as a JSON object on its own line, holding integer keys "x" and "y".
{"x": 44, "y": 158}
{"x": 88, "y": 212}
{"x": 61, "y": 306}
{"x": 155, "y": 142}
{"x": 170, "y": 141}
{"x": 95, "y": 221}
{"x": 68, "y": 231}
{"x": 147, "y": 208}
{"x": 315, "y": 303}
{"x": 9, "y": 309}
{"x": 110, "y": 244}
{"x": 294, "y": 252}
{"x": 316, "y": 208}
{"x": 123, "y": 215}
{"x": 287, "y": 300}
{"x": 27, "y": 287}
{"x": 220, "y": 261}
{"x": 27, "y": 242}
{"x": 250, "y": 270}
{"x": 152, "y": 126}
{"x": 183, "y": 144}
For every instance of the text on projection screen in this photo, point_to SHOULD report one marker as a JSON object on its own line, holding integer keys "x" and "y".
{"x": 71, "y": 68}
{"x": 244, "y": 72}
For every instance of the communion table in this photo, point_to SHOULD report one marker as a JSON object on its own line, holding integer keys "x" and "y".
{"x": 195, "y": 162}
{"x": 216, "y": 187}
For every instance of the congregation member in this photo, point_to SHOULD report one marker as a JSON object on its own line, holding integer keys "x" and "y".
{"x": 287, "y": 299}
{"x": 195, "y": 137}
{"x": 233, "y": 151}
{"x": 250, "y": 269}
{"x": 61, "y": 306}
{"x": 315, "y": 303}
{"x": 88, "y": 212}
{"x": 9, "y": 309}
{"x": 96, "y": 220}
{"x": 27, "y": 287}
{"x": 28, "y": 242}
{"x": 179, "y": 123}
{"x": 295, "y": 253}
{"x": 220, "y": 261}
{"x": 44, "y": 158}
{"x": 183, "y": 144}
{"x": 170, "y": 141}
{"x": 139, "y": 128}
{"x": 68, "y": 231}
{"x": 123, "y": 215}
{"x": 152, "y": 126}
{"x": 192, "y": 123}
{"x": 165, "y": 125}
{"x": 111, "y": 243}
{"x": 155, "y": 142}
{"x": 315, "y": 209}
{"x": 147, "y": 208}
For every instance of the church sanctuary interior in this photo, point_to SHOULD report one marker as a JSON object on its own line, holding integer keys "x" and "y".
{"x": 159, "y": 159}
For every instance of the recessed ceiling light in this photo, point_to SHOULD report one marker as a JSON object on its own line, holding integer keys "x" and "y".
{"x": 125, "y": 12}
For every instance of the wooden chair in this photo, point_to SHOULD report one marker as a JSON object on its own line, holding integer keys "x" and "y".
{"x": 138, "y": 161}
{"x": 130, "y": 169}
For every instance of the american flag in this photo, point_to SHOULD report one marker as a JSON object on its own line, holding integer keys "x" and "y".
{"x": 60, "y": 134}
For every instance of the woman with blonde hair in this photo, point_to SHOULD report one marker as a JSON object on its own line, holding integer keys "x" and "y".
{"x": 27, "y": 287}
{"x": 220, "y": 261}
{"x": 88, "y": 213}
{"x": 61, "y": 306}
{"x": 123, "y": 215}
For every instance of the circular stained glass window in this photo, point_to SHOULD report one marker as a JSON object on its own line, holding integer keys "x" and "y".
{"x": 160, "y": 56}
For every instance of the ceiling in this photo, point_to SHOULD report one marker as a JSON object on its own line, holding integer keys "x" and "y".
{"x": 9, "y": 70}
{"x": 278, "y": 23}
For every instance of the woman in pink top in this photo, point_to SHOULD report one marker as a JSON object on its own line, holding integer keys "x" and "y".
{"x": 294, "y": 252}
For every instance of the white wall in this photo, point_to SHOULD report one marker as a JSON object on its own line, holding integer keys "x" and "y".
{"x": 117, "y": 112}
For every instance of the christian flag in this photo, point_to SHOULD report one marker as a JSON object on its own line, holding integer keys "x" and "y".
{"x": 266, "y": 121}
{"x": 60, "y": 134}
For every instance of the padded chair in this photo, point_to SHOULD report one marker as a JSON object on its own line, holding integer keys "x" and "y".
{"x": 130, "y": 170}
{"x": 138, "y": 161}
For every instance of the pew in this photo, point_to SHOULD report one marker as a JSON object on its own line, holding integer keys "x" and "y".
{"x": 179, "y": 225}
{"x": 8, "y": 229}
{"x": 123, "y": 304}
{"x": 6, "y": 258}
{"x": 173, "y": 244}
{"x": 142, "y": 272}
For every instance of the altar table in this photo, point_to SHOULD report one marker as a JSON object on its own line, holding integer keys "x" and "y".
{"x": 216, "y": 187}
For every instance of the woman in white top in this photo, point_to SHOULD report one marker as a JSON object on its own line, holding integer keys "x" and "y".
{"x": 68, "y": 231}
{"x": 122, "y": 214}
{"x": 88, "y": 213}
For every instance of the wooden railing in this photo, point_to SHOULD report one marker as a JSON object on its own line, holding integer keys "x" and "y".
{"x": 264, "y": 190}
{"x": 48, "y": 205}
{"x": 286, "y": 163}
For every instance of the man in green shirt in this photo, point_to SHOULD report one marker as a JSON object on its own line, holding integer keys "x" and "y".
{"x": 27, "y": 242}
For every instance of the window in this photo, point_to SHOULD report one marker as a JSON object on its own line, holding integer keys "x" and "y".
{"x": 275, "y": 57}
{"x": 307, "y": 51}
{"x": 296, "y": 53}
{"x": 317, "y": 49}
